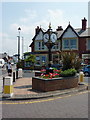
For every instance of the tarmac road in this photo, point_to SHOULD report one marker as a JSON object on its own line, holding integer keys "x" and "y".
{"x": 68, "y": 106}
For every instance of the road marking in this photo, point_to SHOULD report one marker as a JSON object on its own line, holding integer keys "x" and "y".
{"x": 38, "y": 101}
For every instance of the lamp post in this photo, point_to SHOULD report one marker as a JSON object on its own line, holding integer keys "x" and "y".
{"x": 49, "y": 38}
{"x": 19, "y": 29}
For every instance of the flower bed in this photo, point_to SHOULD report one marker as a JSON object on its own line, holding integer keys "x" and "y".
{"x": 55, "y": 81}
{"x": 42, "y": 84}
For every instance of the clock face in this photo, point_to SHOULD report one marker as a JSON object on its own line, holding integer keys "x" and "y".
{"x": 53, "y": 37}
{"x": 46, "y": 37}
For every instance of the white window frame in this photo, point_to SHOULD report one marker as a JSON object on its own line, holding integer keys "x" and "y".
{"x": 56, "y": 47}
{"x": 40, "y": 46}
{"x": 69, "y": 47}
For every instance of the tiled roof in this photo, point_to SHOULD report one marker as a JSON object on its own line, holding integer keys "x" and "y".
{"x": 83, "y": 33}
{"x": 79, "y": 31}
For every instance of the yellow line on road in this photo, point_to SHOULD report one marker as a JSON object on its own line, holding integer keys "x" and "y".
{"x": 45, "y": 100}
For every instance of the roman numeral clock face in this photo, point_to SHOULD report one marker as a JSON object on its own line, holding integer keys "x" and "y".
{"x": 53, "y": 37}
{"x": 46, "y": 38}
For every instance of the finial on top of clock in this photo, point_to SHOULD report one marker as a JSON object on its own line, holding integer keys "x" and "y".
{"x": 50, "y": 25}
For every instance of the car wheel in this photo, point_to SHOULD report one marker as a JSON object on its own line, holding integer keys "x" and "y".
{"x": 86, "y": 74}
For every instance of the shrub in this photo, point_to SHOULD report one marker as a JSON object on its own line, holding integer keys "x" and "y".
{"x": 68, "y": 73}
{"x": 19, "y": 64}
{"x": 70, "y": 60}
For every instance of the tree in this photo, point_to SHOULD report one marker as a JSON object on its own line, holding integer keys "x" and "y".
{"x": 30, "y": 58}
{"x": 29, "y": 61}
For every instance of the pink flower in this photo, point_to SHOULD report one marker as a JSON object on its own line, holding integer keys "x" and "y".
{"x": 42, "y": 74}
{"x": 43, "y": 70}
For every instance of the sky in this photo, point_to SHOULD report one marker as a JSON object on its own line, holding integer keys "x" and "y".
{"x": 29, "y": 15}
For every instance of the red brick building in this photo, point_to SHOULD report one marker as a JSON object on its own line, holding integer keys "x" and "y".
{"x": 70, "y": 39}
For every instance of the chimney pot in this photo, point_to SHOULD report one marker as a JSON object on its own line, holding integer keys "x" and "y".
{"x": 59, "y": 28}
{"x": 84, "y": 23}
{"x": 36, "y": 30}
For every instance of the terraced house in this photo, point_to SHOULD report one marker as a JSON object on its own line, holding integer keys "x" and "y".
{"x": 70, "y": 39}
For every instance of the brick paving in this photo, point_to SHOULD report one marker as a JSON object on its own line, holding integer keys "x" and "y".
{"x": 23, "y": 86}
{"x": 22, "y": 89}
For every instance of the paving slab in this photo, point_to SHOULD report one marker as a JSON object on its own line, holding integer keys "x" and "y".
{"x": 22, "y": 90}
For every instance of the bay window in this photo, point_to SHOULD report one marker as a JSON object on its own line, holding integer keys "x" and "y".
{"x": 69, "y": 44}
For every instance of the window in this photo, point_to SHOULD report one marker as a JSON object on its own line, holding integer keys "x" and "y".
{"x": 66, "y": 44}
{"x": 88, "y": 44}
{"x": 42, "y": 45}
{"x": 55, "y": 59}
{"x": 37, "y": 58}
{"x": 69, "y": 44}
{"x": 56, "y": 46}
{"x": 73, "y": 43}
{"x": 39, "y": 45}
{"x": 44, "y": 58}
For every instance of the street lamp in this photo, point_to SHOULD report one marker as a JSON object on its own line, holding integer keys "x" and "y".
{"x": 49, "y": 38}
{"x": 19, "y": 29}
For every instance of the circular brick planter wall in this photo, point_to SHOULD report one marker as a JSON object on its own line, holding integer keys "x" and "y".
{"x": 60, "y": 83}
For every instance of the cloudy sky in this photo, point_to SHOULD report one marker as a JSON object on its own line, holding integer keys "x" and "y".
{"x": 29, "y": 15}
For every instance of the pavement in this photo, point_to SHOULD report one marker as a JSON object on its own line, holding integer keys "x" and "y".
{"x": 22, "y": 90}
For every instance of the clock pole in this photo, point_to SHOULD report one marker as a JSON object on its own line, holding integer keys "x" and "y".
{"x": 49, "y": 46}
{"x": 49, "y": 40}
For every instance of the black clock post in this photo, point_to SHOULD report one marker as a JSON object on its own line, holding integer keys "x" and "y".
{"x": 50, "y": 38}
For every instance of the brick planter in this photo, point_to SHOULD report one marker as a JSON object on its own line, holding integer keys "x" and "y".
{"x": 60, "y": 83}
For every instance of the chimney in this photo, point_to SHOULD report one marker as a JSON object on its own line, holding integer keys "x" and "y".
{"x": 59, "y": 28}
{"x": 36, "y": 30}
{"x": 84, "y": 23}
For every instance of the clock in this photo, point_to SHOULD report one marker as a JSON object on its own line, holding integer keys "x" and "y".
{"x": 46, "y": 37}
{"x": 53, "y": 37}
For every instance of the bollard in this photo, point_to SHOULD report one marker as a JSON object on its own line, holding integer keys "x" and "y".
{"x": 16, "y": 74}
{"x": 81, "y": 77}
{"x": 20, "y": 73}
{"x": 14, "y": 77}
{"x": 3, "y": 82}
{"x": 8, "y": 87}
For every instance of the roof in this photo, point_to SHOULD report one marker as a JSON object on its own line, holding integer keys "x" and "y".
{"x": 83, "y": 33}
{"x": 69, "y": 26}
{"x": 79, "y": 32}
{"x": 38, "y": 33}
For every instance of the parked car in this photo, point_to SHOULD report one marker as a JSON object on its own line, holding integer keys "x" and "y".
{"x": 57, "y": 66}
{"x": 86, "y": 70}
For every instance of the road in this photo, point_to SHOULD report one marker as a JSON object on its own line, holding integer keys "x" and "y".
{"x": 67, "y": 106}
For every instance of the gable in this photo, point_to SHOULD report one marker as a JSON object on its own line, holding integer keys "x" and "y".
{"x": 39, "y": 36}
{"x": 69, "y": 33}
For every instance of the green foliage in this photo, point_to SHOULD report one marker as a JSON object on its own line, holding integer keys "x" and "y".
{"x": 30, "y": 58}
{"x": 68, "y": 73}
{"x": 20, "y": 64}
{"x": 70, "y": 60}
{"x": 26, "y": 53}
